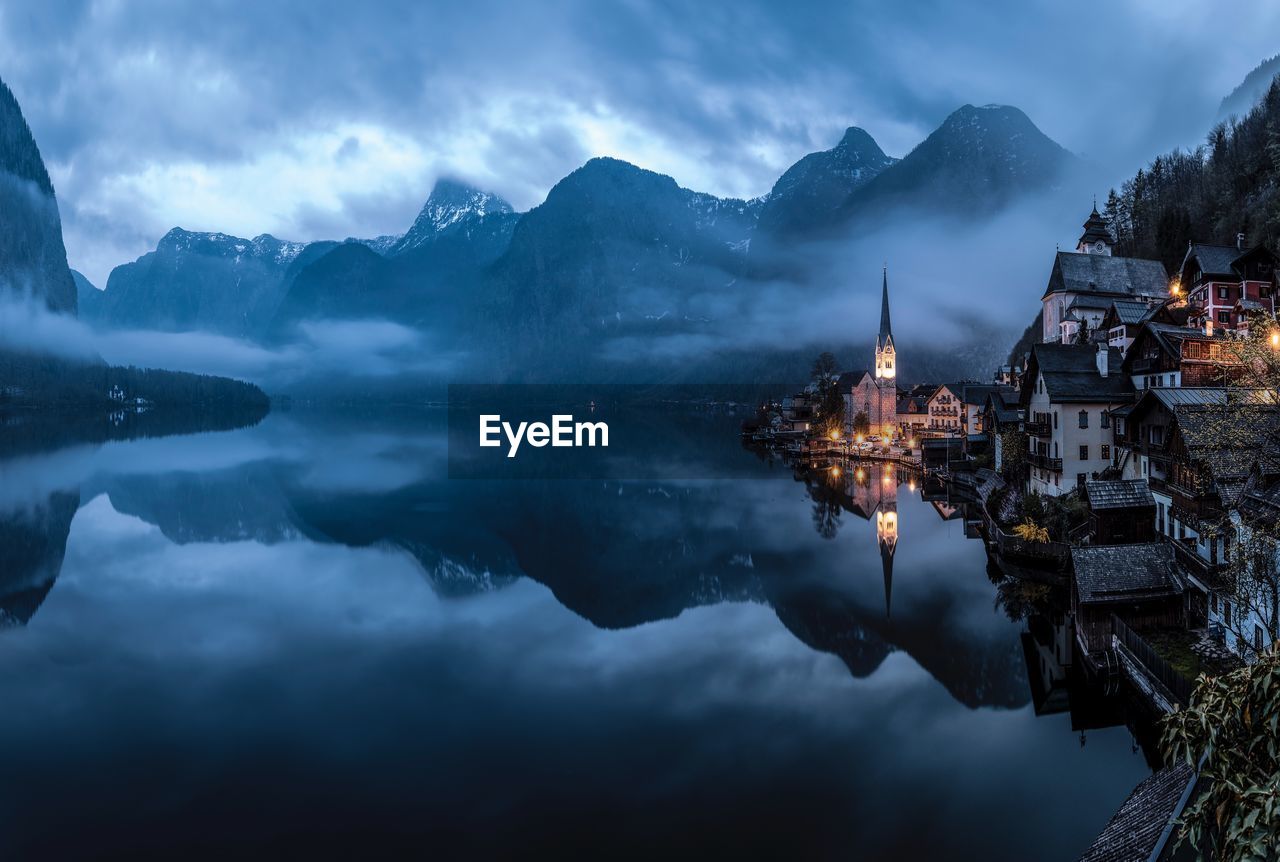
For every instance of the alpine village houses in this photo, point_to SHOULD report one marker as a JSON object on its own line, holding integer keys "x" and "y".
{"x": 1135, "y": 401}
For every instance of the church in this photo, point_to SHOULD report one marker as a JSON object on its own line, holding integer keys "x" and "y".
{"x": 875, "y": 393}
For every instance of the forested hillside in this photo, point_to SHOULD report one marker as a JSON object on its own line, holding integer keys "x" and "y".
{"x": 1228, "y": 185}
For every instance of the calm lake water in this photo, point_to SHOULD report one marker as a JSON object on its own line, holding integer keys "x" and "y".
{"x": 303, "y": 638}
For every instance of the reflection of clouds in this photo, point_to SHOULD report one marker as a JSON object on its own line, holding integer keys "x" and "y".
{"x": 299, "y": 681}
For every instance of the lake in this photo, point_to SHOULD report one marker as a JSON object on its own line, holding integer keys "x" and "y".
{"x": 302, "y": 638}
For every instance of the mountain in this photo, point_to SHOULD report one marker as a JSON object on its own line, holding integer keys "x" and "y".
{"x": 35, "y": 542}
{"x": 1254, "y": 86}
{"x": 452, "y": 208}
{"x": 615, "y": 250}
{"x": 977, "y": 161}
{"x": 89, "y": 300}
{"x": 427, "y": 278}
{"x": 210, "y": 281}
{"x": 33, "y": 261}
{"x": 810, "y": 193}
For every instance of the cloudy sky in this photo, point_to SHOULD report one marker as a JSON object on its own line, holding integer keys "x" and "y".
{"x": 317, "y": 120}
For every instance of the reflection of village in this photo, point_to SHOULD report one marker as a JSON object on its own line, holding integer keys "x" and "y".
{"x": 1123, "y": 476}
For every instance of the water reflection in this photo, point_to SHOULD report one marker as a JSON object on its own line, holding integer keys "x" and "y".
{"x": 333, "y": 639}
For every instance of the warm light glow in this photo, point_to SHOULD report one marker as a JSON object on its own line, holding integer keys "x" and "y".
{"x": 859, "y": 438}
{"x": 835, "y": 435}
{"x": 860, "y": 475}
{"x": 1275, "y": 339}
{"x": 835, "y": 472}
{"x": 911, "y": 485}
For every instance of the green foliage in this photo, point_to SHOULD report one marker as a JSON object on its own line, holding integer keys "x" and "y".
{"x": 1228, "y": 185}
{"x": 1058, "y": 515}
{"x": 1233, "y": 723}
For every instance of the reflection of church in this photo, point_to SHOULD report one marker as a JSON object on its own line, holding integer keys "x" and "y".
{"x": 873, "y": 496}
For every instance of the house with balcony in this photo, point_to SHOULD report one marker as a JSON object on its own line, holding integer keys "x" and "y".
{"x": 1223, "y": 284}
{"x": 1083, "y": 284}
{"x": 1125, "y": 317}
{"x": 947, "y": 413}
{"x": 1195, "y": 449}
{"x": 1165, "y": 355}
{"x": 1068, "y": 395}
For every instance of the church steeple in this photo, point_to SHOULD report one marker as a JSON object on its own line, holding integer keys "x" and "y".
{"x": 886, "y": 358}
{"x": 1096, "y": 238}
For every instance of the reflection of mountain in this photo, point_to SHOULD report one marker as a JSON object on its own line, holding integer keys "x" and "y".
{"x": 34, "y": 540}
{"x": 240, "y": 504}
{"x": 617, "y": 554}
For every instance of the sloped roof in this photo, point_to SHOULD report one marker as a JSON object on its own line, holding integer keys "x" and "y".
{"x": 1213, "y": 259}
{"x": 1116, "y": 573}
{"x": 1134, "y": 831}
{"x": 1070, "y": 374}
{"x": 1170, "y": 338}
{"x": 849, "y": 379}
{"x": 976, "y": 393}
{"x": 1099, "y": 273}
{"x": 1133, "y": 311}
{"x": 1118, "y": 494}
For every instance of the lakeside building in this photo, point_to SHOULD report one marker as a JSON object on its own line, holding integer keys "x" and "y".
{"x": 1084, "y": 283}
{"x": 1068, "y": 395}
{"x": 875, "y": 393}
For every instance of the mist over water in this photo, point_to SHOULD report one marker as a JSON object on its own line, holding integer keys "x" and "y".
{"x": 301, "y": 634}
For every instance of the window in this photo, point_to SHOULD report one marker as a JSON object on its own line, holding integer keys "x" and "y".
{"x": 1224, "y": 292}
{"x": 1084, "y": 453}
{"x": 1055, "y": 419}
{"x": 1106, "y": 419}
{"x": 1160, "y": 517}
{"x": 1257, "y": 637}
{"x": 1080, "y": 480}
{"x": 1224, "y": 317}
{"x": 1213, "y": 602}
{"x": 1226, "y": 613}
{"x": 1084, "y": 418}
{"x": 1106, "y": 452}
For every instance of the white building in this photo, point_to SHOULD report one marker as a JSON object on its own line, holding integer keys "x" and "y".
{"x": 1068, "y": 394}
{"x": 1085, "y": 282}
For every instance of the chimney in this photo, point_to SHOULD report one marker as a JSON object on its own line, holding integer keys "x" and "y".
{"x": 1104, "y": 355}
{"x": 1239, "y": 242}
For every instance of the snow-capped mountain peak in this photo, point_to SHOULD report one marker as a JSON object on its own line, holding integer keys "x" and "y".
{"x": 451, "y": 206}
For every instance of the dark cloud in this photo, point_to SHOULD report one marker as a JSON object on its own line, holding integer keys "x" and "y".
{"x": 125, "y": 97}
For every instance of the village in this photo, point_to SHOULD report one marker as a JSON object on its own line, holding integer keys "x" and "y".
{"x": 1130, "y": 457}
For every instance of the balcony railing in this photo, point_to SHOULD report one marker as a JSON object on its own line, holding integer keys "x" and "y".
{"x": 1037, "y": 428}
{"x": 1044, "y": 461}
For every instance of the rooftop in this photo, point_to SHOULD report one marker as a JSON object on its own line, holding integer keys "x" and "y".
{"x": 1135, "y": 830}
{"x": 1070, "y": 374}
{"x": 1124, "y": 573}
{"x": 1118, "y": 494}
{"x": 1097, "y": 273}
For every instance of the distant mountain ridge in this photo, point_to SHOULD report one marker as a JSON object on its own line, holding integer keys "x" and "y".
{"x": 616, "y": 260}
{"x": 811, "y": 192}
{"x": 979, "y": 160}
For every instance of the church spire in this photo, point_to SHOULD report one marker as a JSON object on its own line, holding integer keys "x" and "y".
{"x": 886, "y": 331}
{"x": 886, "y": 359}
